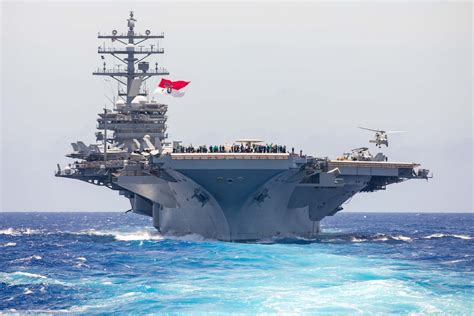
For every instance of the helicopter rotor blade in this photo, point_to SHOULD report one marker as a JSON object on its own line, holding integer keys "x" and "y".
{"x": 395, "y": 132}
{"x": 370, "y": 129}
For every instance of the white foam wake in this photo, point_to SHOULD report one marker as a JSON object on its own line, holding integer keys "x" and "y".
{"x": 381, "y": 237}
{"x": 355, "y": 239}
{"x": 124, "y": 236}
{"x": 9, "y": 244}
{"x": 401, "y": 238}
{"x": 146, "y": 235}
{"x": 29, "y": 259}
{"x": 141, "y": 235}
{"x": 19, "y": 232}
{"x": 188, "y": 237}
{"x": 440, "y": 235}
{"x": 23, "y": 278}
{"x": 28, "y": 275}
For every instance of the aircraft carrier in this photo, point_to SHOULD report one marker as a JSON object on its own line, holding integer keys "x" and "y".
{"x": 244, "y": 190}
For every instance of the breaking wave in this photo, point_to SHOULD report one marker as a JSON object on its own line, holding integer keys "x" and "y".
{"x": 27, "y": 278}
{"x": 29, "y": 275}
{"x": 141, "y": 235}
{"x": 339, "y": 238}
{"x": 380, "y": 237}
{"x": 123, "y": 236}
{"x": 440, "y": 235}
{"x": 188, "y": 237}
{"x": 401, "y": 238}
{"x": 28, "y": 259}
{"x": 9, "y": 244}
{"x": 359, "y": 238}
{"x": 20, "y": 231}
{"x": 389, "y": 237}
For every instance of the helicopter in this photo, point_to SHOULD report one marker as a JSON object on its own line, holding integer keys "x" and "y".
{"x": 381, "y": 137}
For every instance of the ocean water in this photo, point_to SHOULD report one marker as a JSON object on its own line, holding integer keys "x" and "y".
{"x": 88, "y": 263}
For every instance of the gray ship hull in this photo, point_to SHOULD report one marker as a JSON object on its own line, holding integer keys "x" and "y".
{"x": 236, "y": 200}
{"x": 240, "y": 196}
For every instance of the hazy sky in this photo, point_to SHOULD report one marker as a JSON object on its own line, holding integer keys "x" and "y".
{"x": 304, "y": 74}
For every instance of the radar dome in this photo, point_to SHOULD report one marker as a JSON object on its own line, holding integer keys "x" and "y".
{"x": 120, "y": 104}
{"x": 138, "y": 100}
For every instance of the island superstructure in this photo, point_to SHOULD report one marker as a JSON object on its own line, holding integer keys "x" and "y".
{"x": 245, "y": 190}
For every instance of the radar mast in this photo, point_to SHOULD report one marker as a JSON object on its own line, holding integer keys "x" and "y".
{"x": 131, "y": 54}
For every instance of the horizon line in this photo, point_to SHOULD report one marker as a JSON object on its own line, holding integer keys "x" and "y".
{"x": 384, "y": 212}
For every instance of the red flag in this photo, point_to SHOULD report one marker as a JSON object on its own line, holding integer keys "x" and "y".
{"x": 176, "y": 85}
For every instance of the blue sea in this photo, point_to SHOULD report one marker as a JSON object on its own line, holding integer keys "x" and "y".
{"x": 363, "y": 263}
